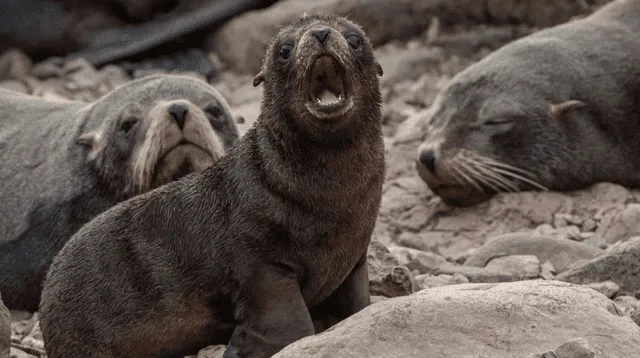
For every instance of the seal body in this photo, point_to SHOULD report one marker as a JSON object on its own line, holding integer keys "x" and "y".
{"x": 62, "y": 163}
{"x": 263, "y": 248}
{"x": 555, "y": 110}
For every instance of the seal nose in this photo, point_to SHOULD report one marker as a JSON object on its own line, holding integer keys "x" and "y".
{"x": 428, "y": 159}
{"x": 321, "y": 34}
{"x": 179, "y": 113}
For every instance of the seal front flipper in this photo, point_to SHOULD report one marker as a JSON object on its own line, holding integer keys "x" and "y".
{"x": 351, "y": 296}
{"x": 270, "y": 312}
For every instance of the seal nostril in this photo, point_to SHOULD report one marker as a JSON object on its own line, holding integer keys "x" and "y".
{"x": 428, "y": 159}
{"x": 179, "y": 113}
{"x": 321, "y": 34}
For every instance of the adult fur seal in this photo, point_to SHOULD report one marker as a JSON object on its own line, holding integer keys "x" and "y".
{"x": 555, "y": 110}
{"x": 252, "y": 250}
{"x": 62, "y": 163}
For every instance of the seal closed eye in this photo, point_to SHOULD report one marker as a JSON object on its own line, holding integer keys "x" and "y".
{"x": 265, "y": 247}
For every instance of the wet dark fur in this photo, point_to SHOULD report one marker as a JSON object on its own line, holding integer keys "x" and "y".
{"x": 50, "y": 187}
{"x": 247, "y": 252}
{"x": 595, "y": 60}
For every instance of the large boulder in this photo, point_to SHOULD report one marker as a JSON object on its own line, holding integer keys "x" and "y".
{"x": 515, "y": 319}
{"x": 242, "y": 41}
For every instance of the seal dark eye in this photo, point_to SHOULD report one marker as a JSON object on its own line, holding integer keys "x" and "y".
{"x": 215, "y": 116}
{"x": 128, "y": 124}
{"x": 354, "y": 42}
{"x": 285, "y": 51}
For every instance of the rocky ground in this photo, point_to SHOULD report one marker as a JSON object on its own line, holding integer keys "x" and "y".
{"x": 488, "y": 275}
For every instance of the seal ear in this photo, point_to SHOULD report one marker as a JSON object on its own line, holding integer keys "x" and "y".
{"x": 564, "y": 110}
{"x": 90, "y": 140}
{"x": 258, "y": 79}
{"x": 379, "y": 68}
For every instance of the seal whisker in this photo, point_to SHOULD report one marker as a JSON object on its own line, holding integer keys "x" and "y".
{"x": 494, "y": 162}
{"x": 521, "y": 178}
{"x": 459, "y": 169}
{"x": 505, "y": 182}
{"x": 490, "y": 181}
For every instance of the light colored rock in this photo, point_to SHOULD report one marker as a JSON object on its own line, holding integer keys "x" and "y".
{"x": 524, "y": 266}
{"x": 624, "y": 224}
{"x": 560, "y": 253}
{"x": 620, "y": 264}
{"x": 17, "y": 353}
{"x": 627, "y": 304}
{"x": 211, "y": 352}
{"x": 607, "y": 288}
{"x": 14, "y": 65}
{"x": 429, "y": 281}
{"x": 576, "y": 348}
{"x": 382, "y": 20}
{"x": 635, "y": 316}
{"x": 387, "y": 277}
{"x": 477, "y": 274}
{"x": 477, "y": 320}
{"x": 547, "y": 271}
{"x": 422, "y": 261}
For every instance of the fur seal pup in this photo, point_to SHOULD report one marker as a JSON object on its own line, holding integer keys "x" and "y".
{"x": 62, "y": 163}
{"x": 555, "y": 110}
{"x": 251, "y": 251}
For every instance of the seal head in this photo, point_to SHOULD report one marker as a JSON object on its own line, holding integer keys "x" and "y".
{"x": 175, "y": 126}
{"x": 555, "y": 110}
{"x": 322, "y": 69}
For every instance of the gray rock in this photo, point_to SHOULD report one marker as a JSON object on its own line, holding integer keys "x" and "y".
{"x": 547, "y": 354}
{"x": 14, "y": 65}
{"x": 18, "y": 353}
{"x": 387, "y": 277}
{"x": 422, "y": 261}
{"x": 607, "y": 288}
{"x": 525, "y": 266}
{"x": 576, "y": 348}
{"x": 627, "y": 304}
{"x": 635, "y": 316}
{"x": 478, "y": 274}
{"x": 620, "y": 264}
{"x": 477, "y": 320}
{"x": 429, "y": 281}
{"x": 382, "y": 20}
{"x": 547, "y": 271}
{"x": 561, "y": 253}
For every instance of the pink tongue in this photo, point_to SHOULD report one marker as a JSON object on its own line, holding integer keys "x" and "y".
{"x": 327, "y": 97}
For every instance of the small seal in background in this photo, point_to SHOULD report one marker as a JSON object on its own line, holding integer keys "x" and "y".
{"x": 62, "y": 163}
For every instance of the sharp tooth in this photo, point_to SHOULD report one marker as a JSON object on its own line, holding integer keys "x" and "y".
{"x": 328, "y": 97}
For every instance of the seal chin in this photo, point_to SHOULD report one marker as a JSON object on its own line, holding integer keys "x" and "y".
{"x": 329, "y": 94}
{"x": 183, "y": 159}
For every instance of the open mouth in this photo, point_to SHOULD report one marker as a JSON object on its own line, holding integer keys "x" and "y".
{"x": 328, "y": 88}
